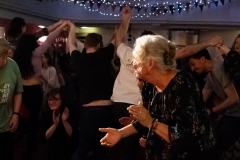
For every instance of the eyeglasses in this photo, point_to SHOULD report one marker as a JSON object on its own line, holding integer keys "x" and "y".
{"x": 53, "y": 99}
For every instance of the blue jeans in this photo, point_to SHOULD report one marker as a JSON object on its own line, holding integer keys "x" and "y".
{"x": 91, "y": 119}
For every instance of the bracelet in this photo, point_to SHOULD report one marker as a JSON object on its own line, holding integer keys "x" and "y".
{"x": 45, "y": 31}
{"x": 16, "y": 113}
{"x": 155, "y": 126}
{"x": 152, "y": 123}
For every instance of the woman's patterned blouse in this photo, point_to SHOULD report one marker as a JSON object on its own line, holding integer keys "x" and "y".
{"x": 181, "y": 107}
{"x": 232, "y": 67}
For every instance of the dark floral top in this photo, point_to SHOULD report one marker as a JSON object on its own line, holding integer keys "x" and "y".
{"x": 181, "y": 107}
{"x": 232, "y": 67}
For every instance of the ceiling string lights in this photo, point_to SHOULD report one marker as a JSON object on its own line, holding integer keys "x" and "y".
{"x": 144, "y": 8}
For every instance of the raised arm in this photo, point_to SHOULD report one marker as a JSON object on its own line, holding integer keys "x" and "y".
{"x": 46, "y": 31}
{"x": 192, "y": 49}
{"x": 43, "y": 48}
{"x": 224, "y": 48}
{"x": 122, "y": 31}
{"x": 54, "y": 26}
{"x": 71, "y": 38}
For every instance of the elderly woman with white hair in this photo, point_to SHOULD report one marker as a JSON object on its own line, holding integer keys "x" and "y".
{"x": 179, "y": 127}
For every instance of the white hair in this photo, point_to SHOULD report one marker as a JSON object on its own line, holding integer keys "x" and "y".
{"x": 157, "y": 48}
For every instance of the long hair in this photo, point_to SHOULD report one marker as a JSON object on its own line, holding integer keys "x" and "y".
{"x": 233, "y": 45}
{"x": 49, "y": 59}
{"x": 23, "y": 55}
{"x": 52, "y": 94}
{"x": 15, "y": 27}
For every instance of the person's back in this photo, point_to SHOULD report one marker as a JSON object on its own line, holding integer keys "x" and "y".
{"x": 93, "y": 68}
{"x": 94, "y": 73}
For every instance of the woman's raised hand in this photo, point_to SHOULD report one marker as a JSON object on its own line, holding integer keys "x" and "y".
{"x": 65, "y": 115}
{"x": 56, "y": 118}
{"x": 140, "y": 113}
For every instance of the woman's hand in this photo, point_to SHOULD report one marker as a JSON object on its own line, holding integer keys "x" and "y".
{"x": 56, "y": 119}
{"x": 71, "y": 25}
{"x": 63, "y": 26}
{"x": 126, "y": 120}
{"x": 65, "y": 115}
{"x": 140, "y": 113}
{"x": 142, "y": 142}
{"x": 112, "y": 137}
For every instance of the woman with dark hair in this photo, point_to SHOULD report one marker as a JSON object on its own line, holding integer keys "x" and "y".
{"x": 232, "y": 60}
{"x": 17, "y": 27}
{"x": 56, "y": 128}
{"x": 28, "y": 57}
{"x": 49, "y": 73}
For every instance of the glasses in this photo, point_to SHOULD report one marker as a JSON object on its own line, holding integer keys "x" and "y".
{"x": 53, "y": 99}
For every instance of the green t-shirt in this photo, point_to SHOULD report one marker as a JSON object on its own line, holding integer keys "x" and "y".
{"x": 10, "y": 84}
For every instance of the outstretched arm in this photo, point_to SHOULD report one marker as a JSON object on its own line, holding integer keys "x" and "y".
{"x": 192, "y": 49}
{"x": 113, "y": 136}
{"x": 122, "y": 31}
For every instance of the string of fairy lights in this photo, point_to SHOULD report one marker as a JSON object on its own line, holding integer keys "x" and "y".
{"x": 143, "y": 8}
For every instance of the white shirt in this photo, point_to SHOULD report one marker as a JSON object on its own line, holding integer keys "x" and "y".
{"x": 125, "y": 87}
{"x": 50, "y": 74}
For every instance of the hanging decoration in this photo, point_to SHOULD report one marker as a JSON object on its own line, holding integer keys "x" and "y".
{"x": 143, "y": 8}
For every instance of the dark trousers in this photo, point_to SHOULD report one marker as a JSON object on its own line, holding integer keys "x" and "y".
{"x": 227, "y": 133}
{"x": 91, "y": 119}
{"x": 130, "y": 144}
{"x": 7, "y": 146}
{"x": 32, "y": 99}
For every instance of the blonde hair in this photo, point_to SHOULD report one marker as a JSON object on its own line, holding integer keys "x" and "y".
{"x": 157, "y": 48}
{"x": 4, "y": 46}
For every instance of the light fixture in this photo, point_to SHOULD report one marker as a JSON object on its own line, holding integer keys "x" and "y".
{"x": 40, "y": 26}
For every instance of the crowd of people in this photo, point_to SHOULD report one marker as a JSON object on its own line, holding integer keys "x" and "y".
{"x": 85, "y": 101}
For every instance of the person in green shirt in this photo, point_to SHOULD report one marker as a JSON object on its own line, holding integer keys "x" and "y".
{"x": 10, "y": 101}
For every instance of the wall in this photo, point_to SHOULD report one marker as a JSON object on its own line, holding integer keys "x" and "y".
{"x": 48, "y": 10}
{"x": 221, "y": 20}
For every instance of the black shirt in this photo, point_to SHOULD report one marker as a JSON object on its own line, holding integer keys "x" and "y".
{"x": 59, "y": 146}
{"x": 94, "y": 74}
{"x": 232, "y": 67}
